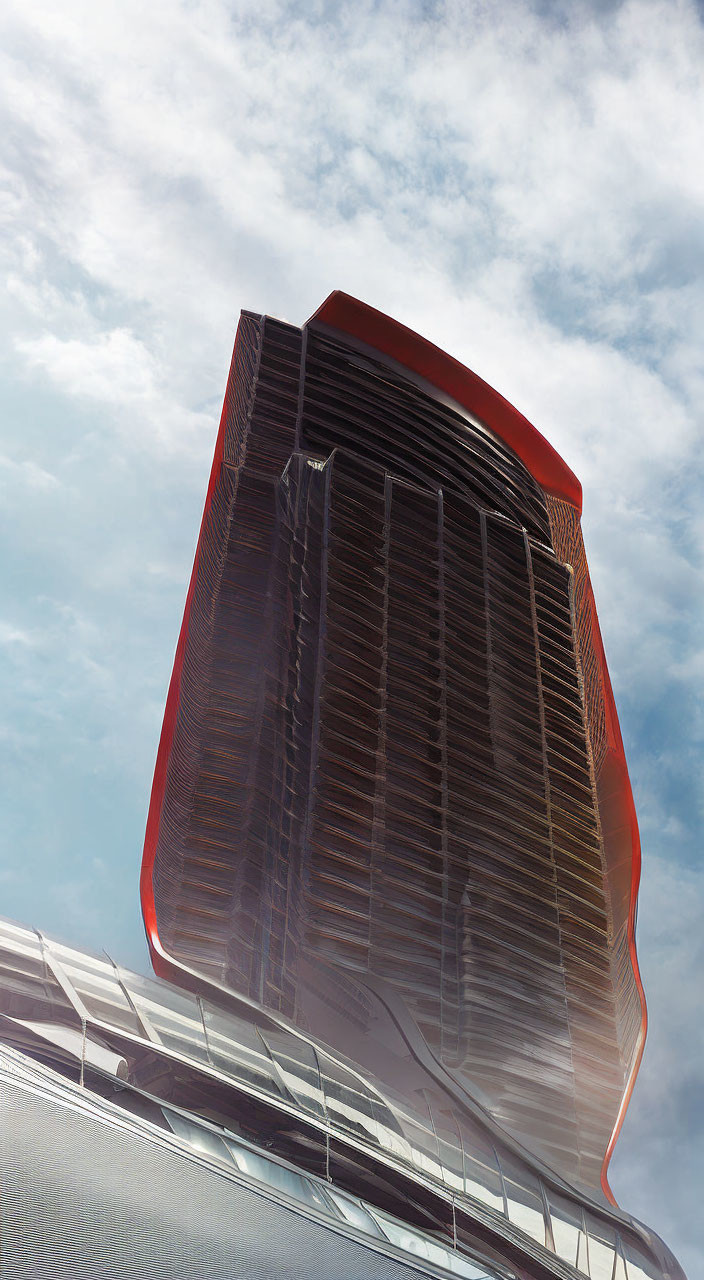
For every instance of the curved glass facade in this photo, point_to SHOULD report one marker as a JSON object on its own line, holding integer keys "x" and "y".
{"x": 201, "y": 1066}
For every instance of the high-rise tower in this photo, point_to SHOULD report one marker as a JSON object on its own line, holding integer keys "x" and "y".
{"x": 392, "y": 762}
{"x": 390, "y": 870}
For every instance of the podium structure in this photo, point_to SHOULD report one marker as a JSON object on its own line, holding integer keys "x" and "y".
{"x": 390, "y": 871}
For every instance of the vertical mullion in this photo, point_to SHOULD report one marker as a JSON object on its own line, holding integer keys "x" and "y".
{"x": 378, "y": 843}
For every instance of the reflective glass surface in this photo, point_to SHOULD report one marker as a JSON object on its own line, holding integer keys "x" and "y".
{"x": 97, "y": 985}
{"x": 602, "y": 1249}
{"x": 236, "y": 1049}
{"x": 173, "y": 1016}
{"x": 325, "y": 1199}
{"x": 439, "y": 1141}
{"x": 525, "y": 1210}
{"x": 638, "y": 1266}
{"x": 421, "y": 1247}
{"x": 297, "y": 1066}
{"x": 566, "y": 1223}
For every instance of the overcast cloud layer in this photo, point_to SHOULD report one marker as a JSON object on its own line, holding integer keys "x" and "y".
{"x": 522, "y": 183}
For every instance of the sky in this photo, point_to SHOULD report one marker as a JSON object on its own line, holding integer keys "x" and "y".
{"x": 520, "y": 182}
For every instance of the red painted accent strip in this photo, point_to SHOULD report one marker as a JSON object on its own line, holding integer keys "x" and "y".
{"x": 617, "y": 765}
{"x": 163, "y": 965}
{"x": 614, "y": 779}
{"x": 366, "y": 324}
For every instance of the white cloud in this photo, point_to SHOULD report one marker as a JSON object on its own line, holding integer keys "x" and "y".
{"x": 10, "y": 635}
{"x": 113, "y": 365}
{"x": 26, "y": 474}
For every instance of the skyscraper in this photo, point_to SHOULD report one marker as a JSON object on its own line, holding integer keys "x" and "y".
{"x": 391, "y": 862}
{"x": 395, "y": 764}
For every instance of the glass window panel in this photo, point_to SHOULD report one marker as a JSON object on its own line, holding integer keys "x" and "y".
{"x": 275, "y": 1175}
{"x": 20, "y": 981}
{"x": 452, "y": 1163}
{"x": 318, "y": 1197}
{"x": 482, "y": 1179}
{"x": 28, "y": 988}
{"x": 424, "y": 1147}
{"x": 620, "y": 1269}
{"x": 601, "y": 1260}
{"x": 354, "y": 1212}
{"x": 525, "y": 1210}
{"x": 174, "y": 1015}
{"x": 298, "y": 1065}
{"x": 202, "y": 1140}
{"x": 582, "y": 1255}
{"x": 566, "y": 1236}
{"x": 411, "y": 1118}
{"x": 16, "y": 936}
{"x": 411, "y": 1241}
{"x": 638, "y": 1265}
{"x": 422, "y": 1247}
{"x": 602, "y": 1248}
{"x": 96, "y": 984}
{"x": 238, "y": 1051}
{"x": 40, "y": 999}
{"x": 471, "y": 1270}
{"x": 448, "y": 1140}
{"x": 248, "y": 1161}
{"x": 566, "y": 1221}
{"x": 348, "y": 1102}
{"x": 391, "y": 1135}
{"x": 20, "y": 951}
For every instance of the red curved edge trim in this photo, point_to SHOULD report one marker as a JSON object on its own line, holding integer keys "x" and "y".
{"x": 366, "y": 324}
{"x": 614, "y": 777}
{"x": 164, "y": 966}
{"x": 347, "y": 314}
